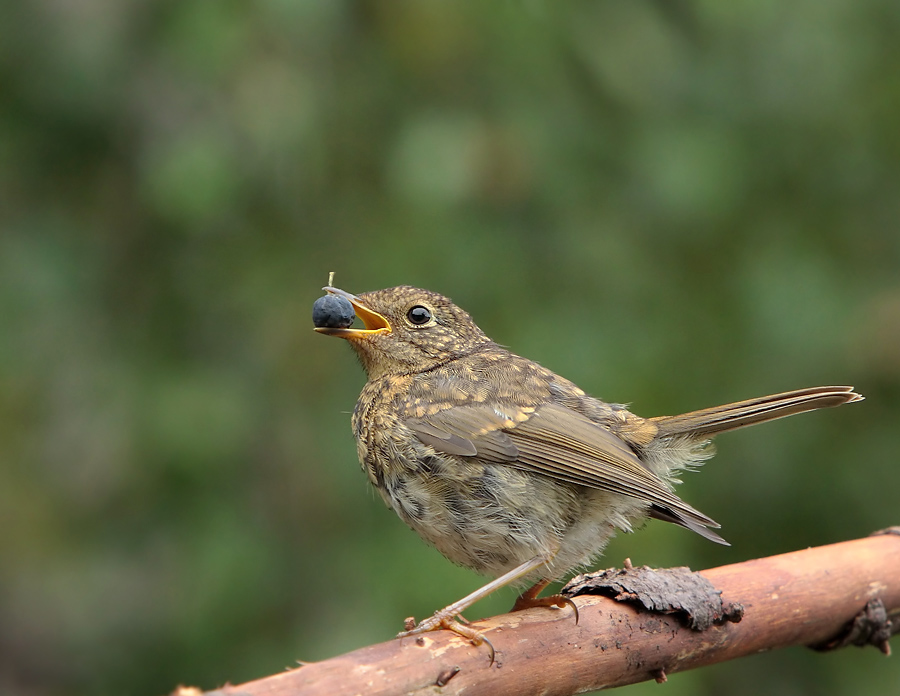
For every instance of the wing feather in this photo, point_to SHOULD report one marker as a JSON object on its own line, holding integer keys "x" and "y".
{"x": 553, "y": 441}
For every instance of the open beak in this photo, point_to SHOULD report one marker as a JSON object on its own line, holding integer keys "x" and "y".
{"x": 374, "y": 322}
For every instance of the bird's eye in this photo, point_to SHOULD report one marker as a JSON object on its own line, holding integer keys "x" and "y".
{"x": 419, "y": 315}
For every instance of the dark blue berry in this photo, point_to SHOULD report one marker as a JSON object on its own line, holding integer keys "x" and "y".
{"x": 333, "y": 312}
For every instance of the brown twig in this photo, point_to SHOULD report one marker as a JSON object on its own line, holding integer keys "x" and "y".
{"x": 813, "y": 597}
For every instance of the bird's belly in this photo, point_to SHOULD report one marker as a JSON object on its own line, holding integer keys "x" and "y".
{"x": 486, "y": 517}
{"x": 492, "y": 518}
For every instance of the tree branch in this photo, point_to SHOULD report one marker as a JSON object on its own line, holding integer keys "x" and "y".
{"x": 824, "y": 597}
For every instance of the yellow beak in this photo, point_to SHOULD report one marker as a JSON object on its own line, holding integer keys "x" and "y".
{"x": 374, "y": 322}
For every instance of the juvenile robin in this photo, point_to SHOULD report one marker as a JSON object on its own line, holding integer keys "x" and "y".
{"x": 505, "y": 467}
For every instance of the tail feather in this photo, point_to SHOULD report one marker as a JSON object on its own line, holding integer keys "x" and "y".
{"x": 712, "y": 421}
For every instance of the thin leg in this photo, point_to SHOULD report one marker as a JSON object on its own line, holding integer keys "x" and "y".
{"x": 444, "y": 618}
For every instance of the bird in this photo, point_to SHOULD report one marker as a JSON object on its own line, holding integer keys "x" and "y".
{"x": 502, "y": 465}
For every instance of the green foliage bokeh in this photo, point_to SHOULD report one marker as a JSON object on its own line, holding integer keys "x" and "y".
{"x": 673, "y": 204}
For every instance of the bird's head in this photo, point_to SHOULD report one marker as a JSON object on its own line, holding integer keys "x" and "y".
{"x": 406, "y": 330}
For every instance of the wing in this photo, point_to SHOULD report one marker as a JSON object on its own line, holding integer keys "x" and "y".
{"x": 556, "y": 441}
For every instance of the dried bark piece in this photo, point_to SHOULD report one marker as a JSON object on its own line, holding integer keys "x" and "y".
{"x": 677, "y": 591}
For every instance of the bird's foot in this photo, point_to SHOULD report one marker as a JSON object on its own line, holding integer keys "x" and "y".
{"x": 446, "y": 619}
{"x": 449, "y": 617}
{"x": 529, "y": 599}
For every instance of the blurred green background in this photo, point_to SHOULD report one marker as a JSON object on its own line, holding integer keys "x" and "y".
{"x": 674, "y": 204}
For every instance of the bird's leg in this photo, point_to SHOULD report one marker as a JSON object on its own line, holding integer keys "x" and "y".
{"x": 446, "y": 617}
{"x": 529, "y": 598}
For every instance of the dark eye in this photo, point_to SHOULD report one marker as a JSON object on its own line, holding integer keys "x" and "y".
{"x": 419, "y": 315}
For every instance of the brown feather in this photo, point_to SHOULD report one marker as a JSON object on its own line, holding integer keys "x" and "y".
{"x": 556, "y": 442}
{"x": 718, "y": 419}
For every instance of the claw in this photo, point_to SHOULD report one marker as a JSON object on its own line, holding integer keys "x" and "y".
{"x": 574, "y": 608}
{"x": 494, "y": 652}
